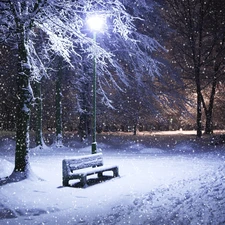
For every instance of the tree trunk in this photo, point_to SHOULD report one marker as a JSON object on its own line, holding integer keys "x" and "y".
{"x": 209, "y": 111}
{"x": 199, "y": 101}
{"x": 208, "y": 123}
{"x": 135, "y": 129}
{"x": 199, "y": 115}
{"x": 58, "y": 102}
{"x": 25, "y": 97}
{"x": 84, "y": 125}
{"x": 135, "y": 122}
{"x": 84, "y": 105}
{"x": 38, "y": 114}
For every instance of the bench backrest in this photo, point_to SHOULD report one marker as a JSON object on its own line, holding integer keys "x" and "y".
{"x": 83, "y": 162}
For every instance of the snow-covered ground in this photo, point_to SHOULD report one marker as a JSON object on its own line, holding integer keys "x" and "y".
{"x": 167, "y": 178}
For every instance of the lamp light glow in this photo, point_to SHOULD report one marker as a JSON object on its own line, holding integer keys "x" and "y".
{"x": 96, "y": 22}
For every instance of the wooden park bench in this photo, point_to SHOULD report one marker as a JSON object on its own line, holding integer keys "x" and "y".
{"x": 81, "y": 167}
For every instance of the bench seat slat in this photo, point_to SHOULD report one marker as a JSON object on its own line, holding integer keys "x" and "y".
{"x": 85, "y": 161}
{"x": 89, "y": 171}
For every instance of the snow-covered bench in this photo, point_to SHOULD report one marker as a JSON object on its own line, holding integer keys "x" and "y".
{"x": 81, "y": 167}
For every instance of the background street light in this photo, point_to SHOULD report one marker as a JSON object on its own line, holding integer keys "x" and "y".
{"x": 95, "y": 22}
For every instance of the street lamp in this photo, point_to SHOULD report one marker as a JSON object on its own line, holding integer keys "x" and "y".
{"x": 95, "y": 22}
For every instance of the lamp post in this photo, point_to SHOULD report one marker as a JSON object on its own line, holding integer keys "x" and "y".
{"x": 95, "y": 23}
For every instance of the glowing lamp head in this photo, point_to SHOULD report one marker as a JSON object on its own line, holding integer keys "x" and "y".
{"x": 95, "y": 22}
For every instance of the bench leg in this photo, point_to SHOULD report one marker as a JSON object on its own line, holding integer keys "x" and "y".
{"x": 115, "y": 172}
{"x": 100, "y": 175}
{"x": 65, "y": 182}
{"x": 83, "y": 181}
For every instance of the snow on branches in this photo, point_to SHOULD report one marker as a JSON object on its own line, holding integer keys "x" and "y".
{"x": 63, "y": 27}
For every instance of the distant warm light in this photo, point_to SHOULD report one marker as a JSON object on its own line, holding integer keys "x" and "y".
{"x": 96, "y": 22}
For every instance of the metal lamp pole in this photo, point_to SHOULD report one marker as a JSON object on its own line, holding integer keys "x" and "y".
{"x": 94, "y": 143}
{"x": 95, "y": 22}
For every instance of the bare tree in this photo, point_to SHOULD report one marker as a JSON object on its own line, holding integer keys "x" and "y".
{"x": 197, "y": 46}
